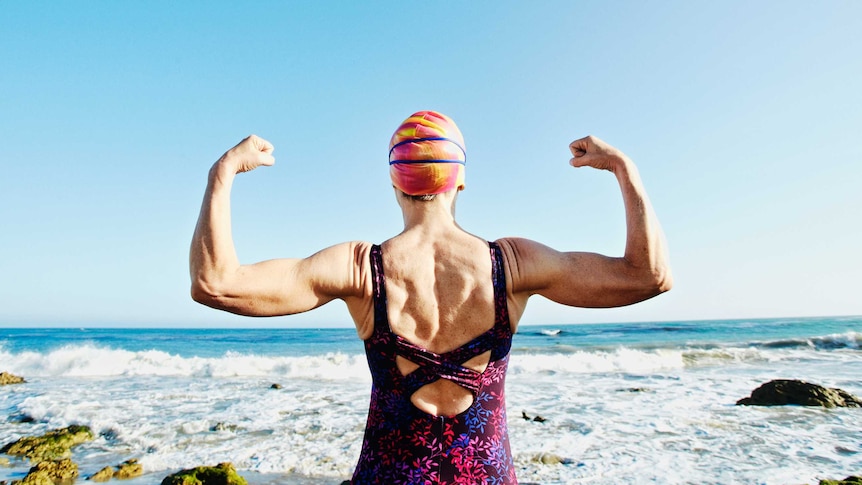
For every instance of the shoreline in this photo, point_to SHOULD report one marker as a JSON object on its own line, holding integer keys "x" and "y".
{"x": 649, "y": 404}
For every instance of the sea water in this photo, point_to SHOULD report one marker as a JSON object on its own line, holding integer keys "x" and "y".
{"x": 622, "y": 403}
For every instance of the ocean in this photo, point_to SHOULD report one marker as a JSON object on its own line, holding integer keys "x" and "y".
{"x": 622, "y": 403}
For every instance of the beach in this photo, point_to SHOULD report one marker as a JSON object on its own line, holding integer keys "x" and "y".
{"x": 618, "y": 403}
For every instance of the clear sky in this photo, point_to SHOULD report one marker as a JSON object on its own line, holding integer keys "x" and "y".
{"x": 743, "y": 117}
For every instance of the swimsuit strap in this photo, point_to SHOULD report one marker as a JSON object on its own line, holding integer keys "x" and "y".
{"x": 502, "y": 325}
{"x": 381, "y": 318}
{"x": 433, "y": 366}
{"x": 501, "y": 300}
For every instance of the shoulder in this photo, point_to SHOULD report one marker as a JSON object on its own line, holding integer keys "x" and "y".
{"x": 351, "y": 262}
{"x": 352, "y": 252}
{"x": 518, "y": 251}
{"x": 528, "y": 263}
{"x": 342, "y": 269}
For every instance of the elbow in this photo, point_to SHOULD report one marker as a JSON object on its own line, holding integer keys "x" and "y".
{"x": 660, "y": 280}
{"x": 665, "y": 283}
{"x": 648, "y": 283}
{"x": 204, "y": 293}
{"x": 198, "y": 293}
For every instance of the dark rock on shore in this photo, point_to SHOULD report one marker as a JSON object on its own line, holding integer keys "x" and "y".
{"x": 20, "y": 418}
{"x": 224, "y": 427}
{"x": 846, "y": 481}
{"x": 537, "y": 419}
{"x": 222, "y": 474}
{"x": 781, "y": 392}
{"x": 53, "y": 445}
{"x": 7, "y": 378}
{"x": 634, "y": 389}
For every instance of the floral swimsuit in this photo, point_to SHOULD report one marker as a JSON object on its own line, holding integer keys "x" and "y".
{"x": 405, "y": 445}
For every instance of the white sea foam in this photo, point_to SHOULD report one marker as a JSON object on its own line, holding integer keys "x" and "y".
{"x": 92, "y": 361}
{"x": 88, "y": 360}
{"x": 620, "y": 360}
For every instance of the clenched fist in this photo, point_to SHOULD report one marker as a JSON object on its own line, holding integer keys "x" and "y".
{"x": 248, "y": 154}
{"x": 590, "y": 151}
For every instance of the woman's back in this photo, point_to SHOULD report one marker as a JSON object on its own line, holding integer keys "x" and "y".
{"x": 437, "y": 412}
{"x": 440, "y": 296}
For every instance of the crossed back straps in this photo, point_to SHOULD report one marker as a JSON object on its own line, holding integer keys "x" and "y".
{"x": 449, "y": 365}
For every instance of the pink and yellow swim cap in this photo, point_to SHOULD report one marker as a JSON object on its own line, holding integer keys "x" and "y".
{"x": 426, "y": 155}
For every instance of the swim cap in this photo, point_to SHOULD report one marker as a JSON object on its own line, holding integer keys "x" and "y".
{"x": 426, "y": 155}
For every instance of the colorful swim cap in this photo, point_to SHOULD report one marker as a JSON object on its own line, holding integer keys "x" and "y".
{"x": 426, "y": 155}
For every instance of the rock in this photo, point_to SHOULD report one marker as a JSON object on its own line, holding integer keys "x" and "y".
{"x": 222, "y": 474}
{"x": 275, "y": 386}
{"x": 537, "y": 419}
{"x": 53, "y": 445}
{"x": 782, "y": 391}
{"x": 550, "y": 459}
{"x": 20, "y": 418}
{"x": 125, "y": 470}
{"x": 7, "y": 378}
{"x": 102, "y": 475}
{"x": 224, "y": 427}
{"x": 129, "y": 469}
{"x": 846, "y": 481}
{"x": 62, "y": 472}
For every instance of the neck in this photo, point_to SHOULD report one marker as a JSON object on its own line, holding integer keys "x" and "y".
{"x": 432, "y": 214}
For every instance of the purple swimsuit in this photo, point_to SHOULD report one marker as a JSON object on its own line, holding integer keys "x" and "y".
{"x": 405, "y": 445}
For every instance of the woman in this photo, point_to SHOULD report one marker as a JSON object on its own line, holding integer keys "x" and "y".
{"x": 435, "y": 305}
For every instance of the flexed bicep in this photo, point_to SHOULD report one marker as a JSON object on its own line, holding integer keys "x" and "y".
{"x": 594, "y": 280}
{"x": 288, "y": 286}
{"x": 579, "y": 279}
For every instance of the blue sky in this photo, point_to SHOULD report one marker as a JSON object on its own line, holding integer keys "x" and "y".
{"x": 743, "y": 117}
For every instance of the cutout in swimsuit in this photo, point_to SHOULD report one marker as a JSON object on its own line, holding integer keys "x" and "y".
{"x": 405, "y": 445}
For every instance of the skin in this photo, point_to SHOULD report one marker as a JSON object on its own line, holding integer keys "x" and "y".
{"x": 437, "y": 275}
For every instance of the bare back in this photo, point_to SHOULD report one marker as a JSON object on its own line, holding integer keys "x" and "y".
{"x": 440, "y": 296}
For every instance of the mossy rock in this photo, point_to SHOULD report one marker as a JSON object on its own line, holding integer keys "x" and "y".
{"x": 61, "y": 472}
{"x": 53, "y": 445}
{"x": 222, "y": 474}
{"x": 846, "y": 481}
{"x": 124, "y": 471}
{"x": 102, "y": 475}
{"x": 128, "y": 469}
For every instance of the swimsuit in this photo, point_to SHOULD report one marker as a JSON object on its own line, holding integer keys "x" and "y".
{"x": 405, "y": 445}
